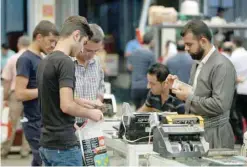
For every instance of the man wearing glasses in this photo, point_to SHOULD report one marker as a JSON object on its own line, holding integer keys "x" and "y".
{"x": 88, "y": 72}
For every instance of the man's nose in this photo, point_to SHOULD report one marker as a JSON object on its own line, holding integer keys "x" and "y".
{"x": 186, "y": 48}
{"x": 53, "y": 44}
{"x": 148, "y": 86}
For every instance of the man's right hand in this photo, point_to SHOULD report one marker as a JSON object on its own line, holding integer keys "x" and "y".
{"x": 95, "y": 115}
{"x": 85, "y": 103}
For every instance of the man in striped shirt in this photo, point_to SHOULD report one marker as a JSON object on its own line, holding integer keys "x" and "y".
{"x": 88, "y": 72}
{"x": 159, "y": 98}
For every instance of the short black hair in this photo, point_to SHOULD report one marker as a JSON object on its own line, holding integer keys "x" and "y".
{"x": 220, "y": 9}
{"x": 227, "y": 49}
{"x": 197, "y": 28}
{"x": 148, "y": 37}
{"x": 5, "y": 46}
{"x": 238, "y": 41}
{"x": 160, "y": 71}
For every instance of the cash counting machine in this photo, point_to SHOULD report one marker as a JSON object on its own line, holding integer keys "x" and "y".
{"x": 136, "y": 126}
{"x": 179, "y": 140}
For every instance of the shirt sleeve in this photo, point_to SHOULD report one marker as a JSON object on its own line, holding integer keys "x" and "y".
{"x": 8, "y": 70}
{"x": 128, "y": 48}
{"x": 101, "y": 89}
{"x": 66, "y": 70}
{"x": 23, "y": 66}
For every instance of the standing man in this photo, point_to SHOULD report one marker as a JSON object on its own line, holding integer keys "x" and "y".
{"x": 180, "y": 64}
{"x": 213, "y": 79}
{"x": 44, "y": 40}
{"x": 15, "y": 106}
{"x": 138, "y": 63}
{"x": 239, "y": 58}
{"x": 88, "y": 72}
{"x": 131, "y": 46}
{"x": 56, "y": 84}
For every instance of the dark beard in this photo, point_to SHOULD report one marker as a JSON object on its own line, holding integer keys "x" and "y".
{"x": 198, "y": 55}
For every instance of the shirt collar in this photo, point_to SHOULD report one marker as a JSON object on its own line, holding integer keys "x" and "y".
{"x": 92, "y": 61}
{"x": 205, "y": 59}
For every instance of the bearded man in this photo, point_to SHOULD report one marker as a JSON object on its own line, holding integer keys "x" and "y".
{"x": 213, "y": 80}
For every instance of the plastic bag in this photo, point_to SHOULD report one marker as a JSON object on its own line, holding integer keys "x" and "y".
{"x": 5, "y": 125}
{"x": 92, "y": 144}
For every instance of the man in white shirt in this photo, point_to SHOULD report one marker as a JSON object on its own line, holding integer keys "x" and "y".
{"x": 239, "y": 59}
{"x": 235, "y": 116}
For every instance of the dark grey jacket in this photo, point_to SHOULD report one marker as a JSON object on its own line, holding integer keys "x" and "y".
{"x": 212, "y": 99}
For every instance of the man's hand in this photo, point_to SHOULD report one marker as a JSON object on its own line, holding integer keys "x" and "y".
{"x": 170, "y": 80}
{"x": 98, "y": 103}
{"x": 95, "y": 115}
{"x": 182, "y": 92}
{"x": 85, "y": 103}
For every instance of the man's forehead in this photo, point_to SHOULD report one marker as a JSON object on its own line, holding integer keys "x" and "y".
{"x": 51, "y": 36}
{"x": 93, "y": 44}
{"x": 152, "y": 78}
{"x": 189, "y": 36}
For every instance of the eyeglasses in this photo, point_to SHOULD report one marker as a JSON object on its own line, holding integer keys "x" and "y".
{"x": 91, "y": 51}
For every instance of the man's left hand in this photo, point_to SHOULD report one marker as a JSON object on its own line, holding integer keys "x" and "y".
{"x": 98, "y": 103}
{"x": 182, "y": 92}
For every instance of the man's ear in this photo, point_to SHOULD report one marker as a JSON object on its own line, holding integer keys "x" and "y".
{"x": 76, "y": 35}
{"x": 38, "y": 37}
{"x": 203, "y": 41}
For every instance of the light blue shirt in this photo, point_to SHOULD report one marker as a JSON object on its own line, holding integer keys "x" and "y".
{"x": 132, "y": 46}
{"x": 180, "y": 65}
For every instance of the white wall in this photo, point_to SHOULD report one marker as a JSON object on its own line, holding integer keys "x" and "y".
{"x": 64, "y": 9}
{"x": 36, "y": 14}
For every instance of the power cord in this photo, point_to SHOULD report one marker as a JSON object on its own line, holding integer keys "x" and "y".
{"x": 127, "y": 111}
{"x": 133, "y": 141}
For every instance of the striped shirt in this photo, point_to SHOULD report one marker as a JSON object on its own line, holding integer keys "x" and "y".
{"x": 89, "y": 80}
{"x": 172, "y": 104}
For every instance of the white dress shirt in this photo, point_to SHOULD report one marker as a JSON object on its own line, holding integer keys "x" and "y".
{"x": 198, "y": 70}
{"x": 239, "y": 59}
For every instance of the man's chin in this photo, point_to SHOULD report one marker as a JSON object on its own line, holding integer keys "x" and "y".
{"x": 155, "y": 93}
{"x": 194, "y": 57}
